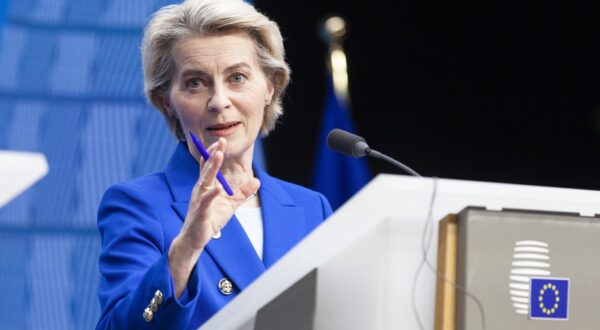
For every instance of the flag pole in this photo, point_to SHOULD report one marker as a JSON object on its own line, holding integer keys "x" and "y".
{"x": 336, "y": 176}
{"x": 334, "y": 29}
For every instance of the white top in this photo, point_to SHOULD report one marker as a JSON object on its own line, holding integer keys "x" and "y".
{"x": 251, "y": 220}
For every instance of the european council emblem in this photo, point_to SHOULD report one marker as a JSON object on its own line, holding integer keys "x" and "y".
{"x": 549, "y": 298}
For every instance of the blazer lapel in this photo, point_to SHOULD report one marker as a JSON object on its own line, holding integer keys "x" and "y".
{"x": 233, "y": 251}
{"x": 284, "y": 223}
{"x": 236, "y": 255}
{"x": 181, "y": 173}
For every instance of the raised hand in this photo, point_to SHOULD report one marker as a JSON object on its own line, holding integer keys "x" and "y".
{"x": 210, "y": 209}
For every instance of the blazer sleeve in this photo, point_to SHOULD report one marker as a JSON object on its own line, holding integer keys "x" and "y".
{"x": 326, "y": 206}
{"x": 134, "y": 267}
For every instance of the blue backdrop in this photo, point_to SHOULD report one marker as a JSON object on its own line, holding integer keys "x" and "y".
{"x": 71, "y": 88}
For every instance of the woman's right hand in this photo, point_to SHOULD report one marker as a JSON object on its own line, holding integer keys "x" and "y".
{"x": 210, "y": 209}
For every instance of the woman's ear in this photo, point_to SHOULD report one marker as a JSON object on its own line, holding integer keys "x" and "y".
{"x": 269, "y": 94}
{"x": 166, "y": 103}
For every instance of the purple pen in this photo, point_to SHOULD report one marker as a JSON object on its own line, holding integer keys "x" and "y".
{"x": 206, "y": 156}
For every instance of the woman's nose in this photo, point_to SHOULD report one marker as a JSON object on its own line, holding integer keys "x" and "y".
{"x": 219, "y": 99}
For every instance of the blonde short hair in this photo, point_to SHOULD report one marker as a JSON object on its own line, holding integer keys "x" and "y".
{"x": 173, "y": 23}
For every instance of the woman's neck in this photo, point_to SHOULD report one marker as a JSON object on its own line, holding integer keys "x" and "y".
{"x": 237, "y": 172}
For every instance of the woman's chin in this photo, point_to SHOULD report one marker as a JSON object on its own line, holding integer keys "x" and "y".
{"x": 236, "y": 151}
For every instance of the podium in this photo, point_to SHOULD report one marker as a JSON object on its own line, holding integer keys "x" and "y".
{"x": 18, "y": 171}
{"x": 358, "y": 270}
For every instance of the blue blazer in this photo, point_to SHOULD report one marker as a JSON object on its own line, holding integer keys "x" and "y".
{"x": 138, "y": 221}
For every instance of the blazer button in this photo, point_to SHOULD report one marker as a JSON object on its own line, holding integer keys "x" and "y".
{"x": 148, "y": 314}
{"x": 225, "y": 286}
{"x": 158, "y": 296}
{"x": 153, "y": 305}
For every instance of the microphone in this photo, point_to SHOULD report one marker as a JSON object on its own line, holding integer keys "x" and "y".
{"x": 353, "y": 145}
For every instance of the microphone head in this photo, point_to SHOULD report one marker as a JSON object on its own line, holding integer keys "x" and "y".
{"x": 347, "y": 143}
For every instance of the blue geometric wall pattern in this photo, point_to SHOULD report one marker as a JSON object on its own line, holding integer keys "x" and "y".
{"x": 3, "y": 5}
{"x": 71, "y": 88}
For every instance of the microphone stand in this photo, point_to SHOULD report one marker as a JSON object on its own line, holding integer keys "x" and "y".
{"x": 376, "y": 154}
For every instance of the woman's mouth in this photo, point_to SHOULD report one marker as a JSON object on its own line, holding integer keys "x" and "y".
{"x": 223, "y": 129}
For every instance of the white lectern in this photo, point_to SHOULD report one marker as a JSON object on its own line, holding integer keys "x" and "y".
{"x": 367, "y": 254}
{"x": 19, "y": 171}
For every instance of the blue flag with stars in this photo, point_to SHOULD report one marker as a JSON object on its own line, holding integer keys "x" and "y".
{"x": 549, "y": 298}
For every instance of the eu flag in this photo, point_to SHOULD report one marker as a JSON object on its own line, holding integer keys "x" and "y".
{"x": 549, "y": 298}
{"x": 337, "y": 176}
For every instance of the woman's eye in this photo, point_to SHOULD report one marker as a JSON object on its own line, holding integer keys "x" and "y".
{"x": 238, "y": 78}
{"x": 193, "y": 83}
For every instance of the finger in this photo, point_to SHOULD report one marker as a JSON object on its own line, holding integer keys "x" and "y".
{"x": 209, "y": 174}
{"x": 210, "y": 151}
{"x": 217, "y": 145}
{"x": 209, "y": 171}
{"x": 209, "y": 195}
{"x": 247, "y": 190}
{"x": 220, "y": 145}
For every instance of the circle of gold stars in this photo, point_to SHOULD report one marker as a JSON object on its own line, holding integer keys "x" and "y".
{"x": 553, "y": 307}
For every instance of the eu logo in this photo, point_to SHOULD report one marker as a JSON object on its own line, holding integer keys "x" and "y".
{"x": 549, "y": 298}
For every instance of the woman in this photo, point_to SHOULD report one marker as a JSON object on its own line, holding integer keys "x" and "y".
{"x": 175, "y": 246}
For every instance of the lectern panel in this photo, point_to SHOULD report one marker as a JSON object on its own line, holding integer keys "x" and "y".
{"x": 529, "y": 270}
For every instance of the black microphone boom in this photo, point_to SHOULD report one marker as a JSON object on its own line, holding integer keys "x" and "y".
{"x": 353, "y": 145}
